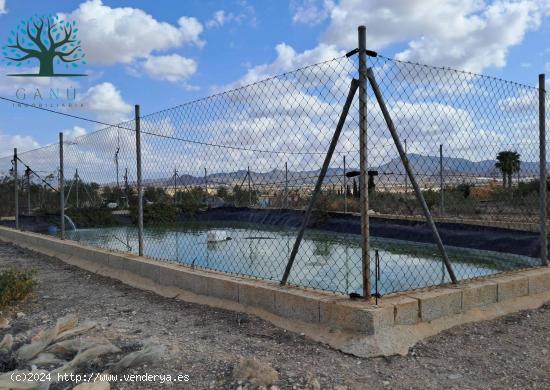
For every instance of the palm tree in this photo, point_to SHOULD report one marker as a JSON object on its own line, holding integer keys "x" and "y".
{"x": 508, "y": 163}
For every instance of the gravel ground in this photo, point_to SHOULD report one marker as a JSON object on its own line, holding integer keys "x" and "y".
{"x": 207, "y": 343}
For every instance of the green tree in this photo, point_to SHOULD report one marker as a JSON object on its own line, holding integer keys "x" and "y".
{"x": 508, "y": 162}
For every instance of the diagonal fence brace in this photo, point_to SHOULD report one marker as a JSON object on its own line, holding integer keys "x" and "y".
{"x": 352, "y": 90}
{"x": 405, "y": 160}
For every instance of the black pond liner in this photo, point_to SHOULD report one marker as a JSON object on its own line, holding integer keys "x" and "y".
{"x": 510, "y": 241}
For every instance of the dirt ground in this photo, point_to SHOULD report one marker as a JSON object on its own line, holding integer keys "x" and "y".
{"x": 207, "y": 343}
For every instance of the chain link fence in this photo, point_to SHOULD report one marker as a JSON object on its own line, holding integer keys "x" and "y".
{"x": 226, "y": 179}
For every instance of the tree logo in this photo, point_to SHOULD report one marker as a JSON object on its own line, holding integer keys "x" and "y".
{"x": 51, "y": 41}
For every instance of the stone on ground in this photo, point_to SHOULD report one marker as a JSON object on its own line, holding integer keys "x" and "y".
{"x": 256, "y": 372}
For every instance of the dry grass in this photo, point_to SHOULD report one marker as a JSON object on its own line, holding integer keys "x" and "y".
{"x": 15, "y": 285}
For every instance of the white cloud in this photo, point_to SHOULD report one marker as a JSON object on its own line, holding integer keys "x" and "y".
{"x": 219, "y": 19}
{"x": 106, "y": 102}
{"x": 172, "y": 67}
{"x": 121, "y": 35}
{"x": 288, "y": 59}
{"x": 21, "y": 142}
{"x": 310, "y": 11}
{"x": 191, "y": 29}
{"x": 470, "y": 34}
{"x": 74, "y": 132}
{"x": 3, "y": 9}
{"x": 523, "y": 101}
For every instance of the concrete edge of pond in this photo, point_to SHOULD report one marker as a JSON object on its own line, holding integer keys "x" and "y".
{"x": 352, "y": 326}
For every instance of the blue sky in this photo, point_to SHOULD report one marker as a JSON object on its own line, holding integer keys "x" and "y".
{"x": 164, "y": 53}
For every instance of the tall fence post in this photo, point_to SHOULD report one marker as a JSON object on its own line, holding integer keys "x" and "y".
{"x": 77, "y": 180}
{"x": 16, "y": 189}
{"x": 406, "y": 177}
{"x": 363, "y": 160}
{"x": 28, "y": 174}
{"x": 175, "y": 185}
{"x": 249, "y": 188}
{"x": 543, "y": 174}
{"x": 345, "y": 188}
{"x": 286, "y": 186}
{"x": 205, "y": 184}
{"x": 61, "y": 187}
{"x": 441, "y": 184}
{"x": 139, "y": 186}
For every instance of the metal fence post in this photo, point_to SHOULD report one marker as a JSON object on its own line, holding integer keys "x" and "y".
{"x": 441, "y": 192}
{"x": 285, "y": 203}
{"x": 543, "y": 174}
{"x": 61, "y": 187}
{"x": 205, "y": 184}
{"x": 249, "y": 188}
{"x": 77, "y": 180}
{"x": 28, "y": 174}
{"x": 363, "y": 160}
{"x": 16, "y": 189}
{"x": 139, "y": 186}
{"x": 175, "y": 186}
{"x": 406, "y": 177}
{"x": 345, "y": 188}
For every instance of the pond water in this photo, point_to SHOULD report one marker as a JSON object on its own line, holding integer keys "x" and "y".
{"x": 326, "y": 260}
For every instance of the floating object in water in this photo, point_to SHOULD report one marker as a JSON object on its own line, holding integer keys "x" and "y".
{"x": 52, "y": 229}
{"x": 217, "y": 236}
{"x": 258, "y": 238}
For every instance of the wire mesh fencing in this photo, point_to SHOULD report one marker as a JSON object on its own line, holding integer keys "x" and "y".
{"x": 226, "y": 179}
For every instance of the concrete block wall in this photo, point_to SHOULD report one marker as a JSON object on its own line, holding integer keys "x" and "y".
{"x": 336, "y": 313}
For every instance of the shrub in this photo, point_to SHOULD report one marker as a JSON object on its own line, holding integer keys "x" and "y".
{"x": 532, "y": 186}
{"x": 464, "y": 189}
{"x": 157, "y": 214}
{"x": 92, "y": 217}
{"x": 190, "y": 201}
{"x": 15, "y": 285}
{"x": 431, "y": 197}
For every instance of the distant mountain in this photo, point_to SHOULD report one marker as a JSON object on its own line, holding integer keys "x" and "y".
{"x": 423, "y": 166}
{"x": 429, "y": 165}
